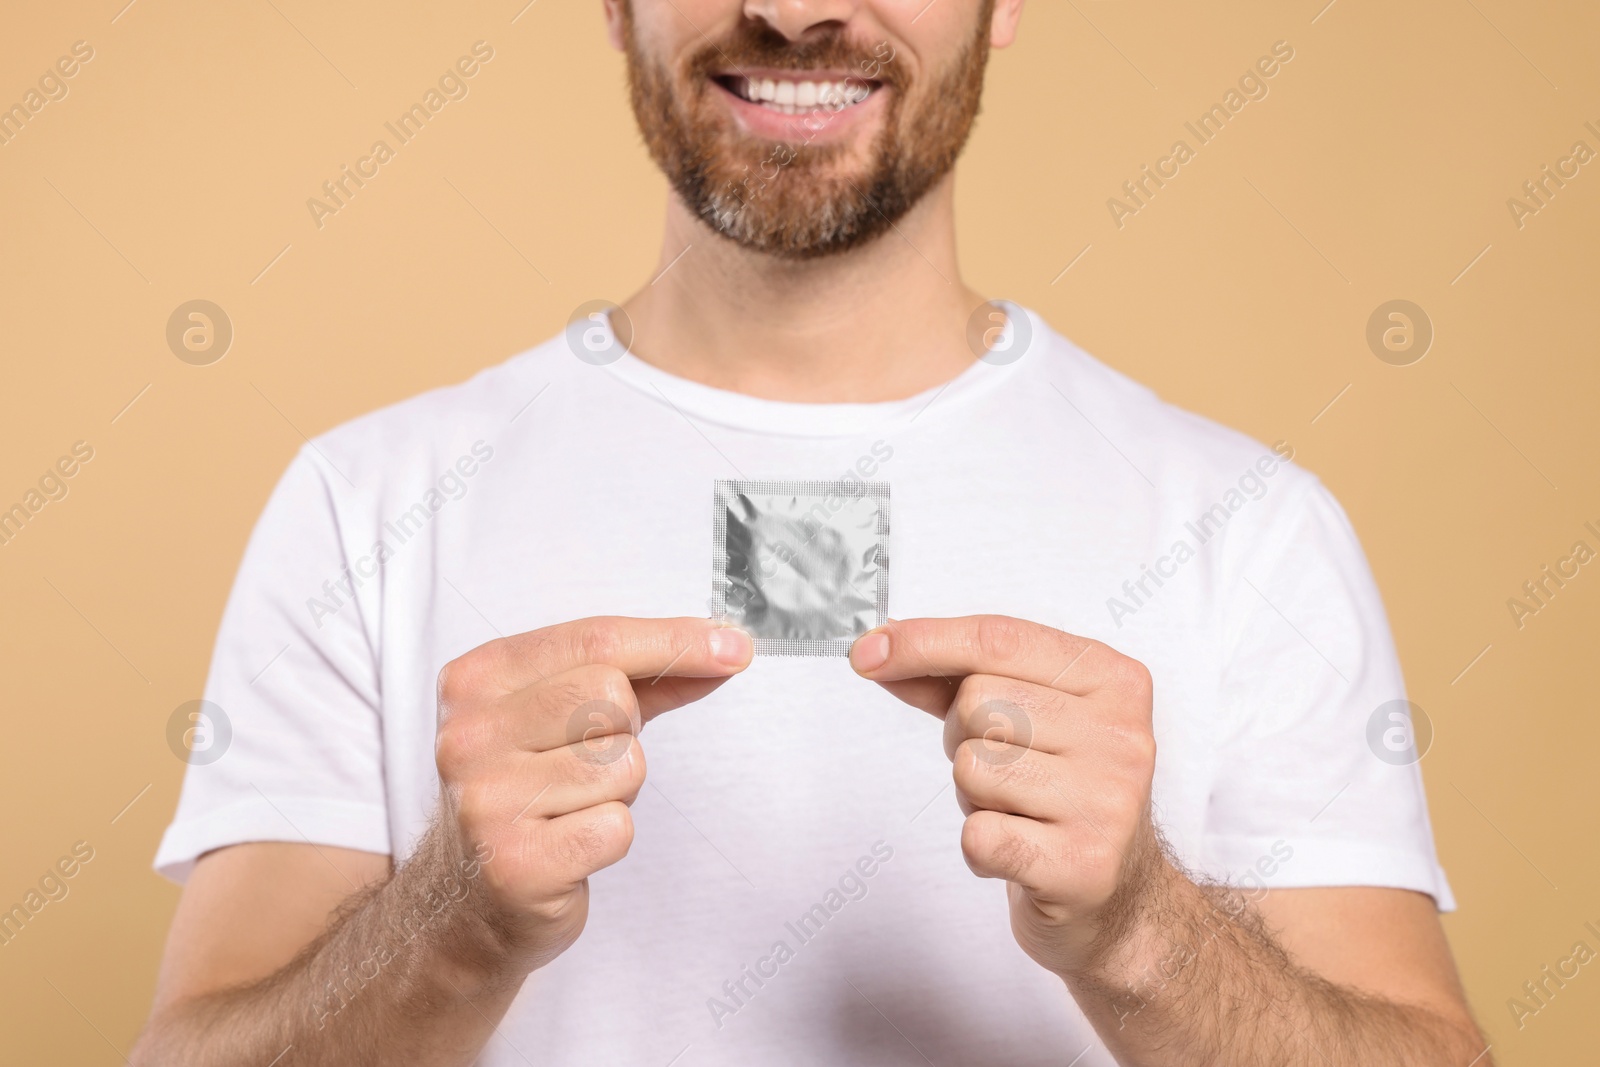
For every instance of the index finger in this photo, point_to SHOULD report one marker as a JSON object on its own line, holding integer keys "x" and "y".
{"x": 639, "y": 648}
{"x": 983, "y": 644}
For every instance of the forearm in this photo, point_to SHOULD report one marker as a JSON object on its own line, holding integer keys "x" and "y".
{"x": 1194, "y": 978}
{"x": 411, "y": 971}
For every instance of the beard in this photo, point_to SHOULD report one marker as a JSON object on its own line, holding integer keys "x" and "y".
{"x": 801, "y": 200}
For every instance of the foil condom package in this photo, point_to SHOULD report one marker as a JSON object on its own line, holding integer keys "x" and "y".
{"x": 802, "y": 567}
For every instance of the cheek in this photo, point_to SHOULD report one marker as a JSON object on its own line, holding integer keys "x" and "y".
{"x": 670, "y": 30}
{"x": 918, "y": 38}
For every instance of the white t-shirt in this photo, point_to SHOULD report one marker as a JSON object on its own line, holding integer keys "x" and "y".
{"x": 801, "y": 806}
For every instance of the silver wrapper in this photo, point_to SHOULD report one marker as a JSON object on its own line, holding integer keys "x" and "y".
{"x": 803, "y": 567}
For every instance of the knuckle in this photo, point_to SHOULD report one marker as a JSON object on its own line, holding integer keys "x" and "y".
{"x": 599, "y": 640}
{"x": 992, "y": 770}
{"x": 604, "y": 753}
{"x": 468, "y": 678}
{"x": 969, "y": 771}
{"x": 589, "y": 843}
{"x": 1132, "y": 677}
{"x": 977, "y": 839}
{"x": 617, "y": 829}
{"x": 1128, "y": 744}
{"x": 1143, "y": 682}
{"x": 451, "y": 686}
{"x": 1001, "y": 638}
{"x": 602, "y": 711}
{"x": 633, "y": 767}
{"x": 1143, "y": 744}
{"x": 476, "y": 805}
{"x": 585, "y": 762}
{"x": 995, "y": 709}
{"x": 977, "y": 690}
{"x": 988, "y": 845}
{"x": 454, "y": 746}
{"x": 603, "y": 682}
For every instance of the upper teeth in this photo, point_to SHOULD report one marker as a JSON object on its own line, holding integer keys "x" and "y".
{"x": 793, "y": 97}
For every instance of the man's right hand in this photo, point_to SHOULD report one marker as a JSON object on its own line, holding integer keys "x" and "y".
{"x": 539, "y": 758}
{"x": 301, "y": 954}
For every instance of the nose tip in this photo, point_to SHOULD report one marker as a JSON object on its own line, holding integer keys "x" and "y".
{"x": 796, "y": 18}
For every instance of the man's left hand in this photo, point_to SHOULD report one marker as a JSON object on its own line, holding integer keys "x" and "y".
{"x": 1051, "y": 739}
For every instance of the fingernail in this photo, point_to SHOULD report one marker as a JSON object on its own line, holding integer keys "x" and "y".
{"x": 870, "y": 652}
{"x": 730, "y": 646}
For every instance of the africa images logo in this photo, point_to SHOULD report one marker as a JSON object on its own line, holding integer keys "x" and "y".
{"x": 1251, "y": 485}
{"x": 199, "y": 732}
{"x": 853, "y": 885}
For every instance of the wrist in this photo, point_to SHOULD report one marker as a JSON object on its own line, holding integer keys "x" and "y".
{"x": 1166, "y": 946}
{"x": 444, "y": 911}
{"x": 1138, "y": 920}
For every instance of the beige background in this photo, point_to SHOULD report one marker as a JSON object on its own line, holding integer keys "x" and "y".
{"x": 1378, "y": 168}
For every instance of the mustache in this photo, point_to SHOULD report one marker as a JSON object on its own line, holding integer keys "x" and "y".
{"x": 753, "y": 43}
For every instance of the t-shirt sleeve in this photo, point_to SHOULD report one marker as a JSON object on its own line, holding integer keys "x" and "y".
{"x": 1307, "y": 790}
{"x": 291, "y": 741}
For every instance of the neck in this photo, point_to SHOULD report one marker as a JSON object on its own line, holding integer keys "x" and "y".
{"x": 882, "y": 322}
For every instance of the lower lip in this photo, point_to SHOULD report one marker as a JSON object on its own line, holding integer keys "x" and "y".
{"x": 818, "y": 127}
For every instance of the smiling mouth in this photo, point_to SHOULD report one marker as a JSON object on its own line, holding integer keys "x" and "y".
{"x": 799, "y": 96}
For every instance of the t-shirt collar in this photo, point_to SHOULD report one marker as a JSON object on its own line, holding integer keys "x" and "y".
{"x": 786, "y": 418}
